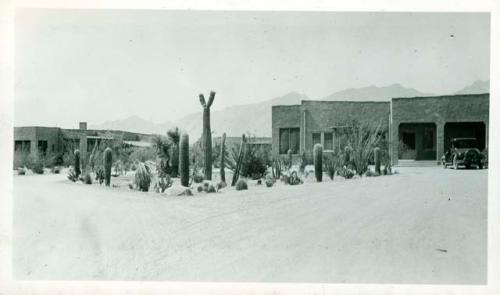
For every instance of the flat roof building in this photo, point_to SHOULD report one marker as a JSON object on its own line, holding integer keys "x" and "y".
{"x": 424, "y": 126}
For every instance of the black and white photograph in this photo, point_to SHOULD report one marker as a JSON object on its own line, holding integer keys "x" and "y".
{"x": 251, "y": 146}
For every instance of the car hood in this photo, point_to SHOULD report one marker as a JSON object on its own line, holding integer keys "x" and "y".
{"x": 464, "y": 150}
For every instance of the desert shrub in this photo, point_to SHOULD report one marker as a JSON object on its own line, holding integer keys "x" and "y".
{"x": 162, "y": 183}
{"x": 72, "y": 174}
{"x": 87, "y": 179}
{"x": 221, "y": 185}
{"x": 241, "y": 185}
{"x": 254, "y": 163}
{"x": 211, "y": 189}
{"x": 197, "y": 156}
{"x": 330, "y": 165}
{"x": 303, "y": 162}
{"x": 142, "y": 178}
{"x": 174, "y": 137}
{"x": 347, "y": 173}
{"x": 294, "y": 179}
{"x": 269, "y": 181}
{"x": 198, "y": 177}
{"x": 361, "y": 138}
{"x": 143, "y": 154}
{"x": 387, "y": 170}
{"x": 162, "y": 147}
{"x": 370, "y": 173}
{"x": 99, "y": 175}
{"x": 55, "y": 170}
{"x": 38, "y": 164}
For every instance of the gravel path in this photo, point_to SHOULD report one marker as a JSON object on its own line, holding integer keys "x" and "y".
{"x": 423, "y": 225}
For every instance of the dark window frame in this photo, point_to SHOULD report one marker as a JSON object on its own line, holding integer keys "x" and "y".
{"x": 291, "y": 132}
{"x": 332, "y": 145}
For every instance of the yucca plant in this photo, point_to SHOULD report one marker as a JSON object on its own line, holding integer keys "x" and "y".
{"x": 174, "y": 136}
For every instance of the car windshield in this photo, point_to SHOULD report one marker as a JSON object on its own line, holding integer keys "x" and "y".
{"x": 465, "y": 143}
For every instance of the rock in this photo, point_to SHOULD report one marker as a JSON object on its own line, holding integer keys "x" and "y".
{"x": 221, "y": 185}
{"x": 211, "y": 189}
{"x": 178, "y": 190}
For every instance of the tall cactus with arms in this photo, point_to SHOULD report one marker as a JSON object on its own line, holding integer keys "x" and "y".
{"x": 207, "y": 133}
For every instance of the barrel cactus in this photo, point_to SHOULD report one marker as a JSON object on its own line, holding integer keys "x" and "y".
{"x": 241, "y": 185}
{"x": 108, "y": 162}
{"x": 184, "y": 159}
{"x": 376, "y": 158}
{"x": 318, "y": 162}
{"x": 78, "y": 171}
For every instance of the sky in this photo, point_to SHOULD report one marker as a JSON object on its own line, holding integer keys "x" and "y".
{"x": 100, "y": 65}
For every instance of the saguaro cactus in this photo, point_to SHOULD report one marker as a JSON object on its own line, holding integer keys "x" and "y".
{"x": 222, "y": 158}
{"x": 236, "y": 173}
{"x": 318, "y": 162}
{"x": 376, "y": 156}
{"x": 78, "y": 171}
{"x": 108, "y": 162}
{"x": 207, "y": 133}
{"x": 184, "y": 159}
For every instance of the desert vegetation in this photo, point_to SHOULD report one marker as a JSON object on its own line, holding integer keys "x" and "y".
{"x": 174, "y": 166}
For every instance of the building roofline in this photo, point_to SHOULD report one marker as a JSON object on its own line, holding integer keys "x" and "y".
{"x": 344, "y": 101}
{"x": 442, "y": 96}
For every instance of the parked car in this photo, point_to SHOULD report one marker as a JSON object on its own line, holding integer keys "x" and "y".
{"x": 464, "y": 152}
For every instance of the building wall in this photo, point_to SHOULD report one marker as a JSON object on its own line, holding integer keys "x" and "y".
{"x": 438, "y": 110}
{"x": 283, "y": 117}
{"x": 326, "y": 116}
{"x": 323, "y": 116}
{"x": 35, "y": 134}
{"x": 55, "y": 137}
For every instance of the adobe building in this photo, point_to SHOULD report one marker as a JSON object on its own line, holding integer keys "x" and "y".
{"x": 234, "y": 142}
{"x": 53, "y": 140}
{"x": 424, "y": 125}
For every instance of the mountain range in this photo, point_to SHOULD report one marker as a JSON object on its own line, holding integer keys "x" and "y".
{"x": 236, "y": 120}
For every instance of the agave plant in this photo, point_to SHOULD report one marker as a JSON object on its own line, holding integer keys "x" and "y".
{"x": 142, "y": 178}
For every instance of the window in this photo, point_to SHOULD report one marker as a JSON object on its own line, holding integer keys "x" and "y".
{"x": 316, "y": 138}
{"x": 22, "y": 146}
{"x": 328, "y": 141}
{"x": 289, "y": 140}
{"x": 42, "y": 147}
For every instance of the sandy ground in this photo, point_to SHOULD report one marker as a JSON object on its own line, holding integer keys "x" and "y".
{"x": 423, "y": 225}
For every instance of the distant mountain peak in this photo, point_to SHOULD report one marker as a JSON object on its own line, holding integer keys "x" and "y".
{"x": 477, "y": 87}
{"x": 375, "y": 93}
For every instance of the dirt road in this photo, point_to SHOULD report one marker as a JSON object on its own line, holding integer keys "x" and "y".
{"x": 424, "y": 225}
